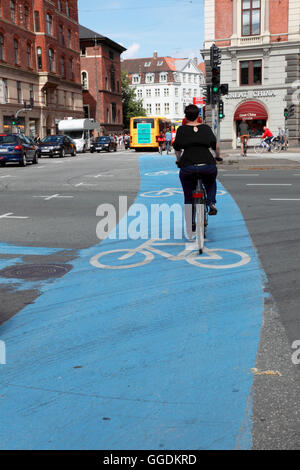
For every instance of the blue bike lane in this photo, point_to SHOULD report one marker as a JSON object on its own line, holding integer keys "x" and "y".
{"x": 156, "y": 356}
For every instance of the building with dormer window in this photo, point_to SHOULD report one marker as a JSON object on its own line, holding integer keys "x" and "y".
{"x": 166, "y": 85}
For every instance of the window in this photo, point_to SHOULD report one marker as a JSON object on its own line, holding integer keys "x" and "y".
{"x": 139, "y": 93}
{"x": 157, "y": 92}
{"x": 37, "y": 25}
{"x": 163, "y": 77}
{"x": 62, "y": 67}
{"x": 111, "y": 55}
{"x": 59, "y": 5}
{"x": 39, "y": 58}
{"x": 69, "y": 43}
{"x": 67, "y": 8}
{"x": 157, "y": 108}
{"x": 149, "y": 78}
{"x": 148, "y": 92}
{"x": 166, "y": 91}
{"x": 83, "y": 51}
{"x": 86, "y": 110}
{"x": 31, "y": 93}
{"x": 65, "y": 99}
{"x": 135, "y": 79}
{"x": 72, "y": 100}
{"x": 49, "y": 24}
{"x": 251, "y": 72}
{"x": 1, "y": 47}
{"x": 113, "y": 112}
{"x": 13, "y": 11}
{"x": 28, "y": 53}
{"x": 160, "y": 63}
{"x": 147, "y": 64}
{"x": 176, "y": 108}
{"x": 167, "y": 108}
{"x": 71, "y": 69}
{"x": 51, "y": 60}
{"x": 149, "y": 108}
{"x": 61, "y": 34}
{"x": 176, "y": 91}
{"x": 26, "y": 17}
{"x": 16, "y": 51}
{"x": 84, "y": 80}
{"x": 19, "y": 92}
{"x": 112, "y": 80}
{"x": 251, "y": 17}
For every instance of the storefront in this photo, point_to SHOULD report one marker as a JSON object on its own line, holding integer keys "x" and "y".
{"x": 256, "y": 117}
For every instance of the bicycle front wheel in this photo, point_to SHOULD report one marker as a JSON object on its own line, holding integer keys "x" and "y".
{"x": 260, "y": 149}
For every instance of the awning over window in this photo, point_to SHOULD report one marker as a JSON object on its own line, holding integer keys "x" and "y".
{"x": 251, "y": 110}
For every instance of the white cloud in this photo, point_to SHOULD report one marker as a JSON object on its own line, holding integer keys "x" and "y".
{"x": 132, "y": 51}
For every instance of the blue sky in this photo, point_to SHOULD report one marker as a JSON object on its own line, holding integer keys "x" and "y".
{"x": 170, "y": 27}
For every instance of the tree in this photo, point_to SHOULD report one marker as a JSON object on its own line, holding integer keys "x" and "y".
{"x": 131, "y": 105}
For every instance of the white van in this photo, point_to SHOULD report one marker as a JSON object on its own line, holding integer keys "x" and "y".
{"x": 79, "y": 130}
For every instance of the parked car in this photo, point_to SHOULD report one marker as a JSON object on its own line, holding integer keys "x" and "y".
{"x": 104, "y": 142}
{"x": 59, "y": 145}
{"x": 16, "y": 148}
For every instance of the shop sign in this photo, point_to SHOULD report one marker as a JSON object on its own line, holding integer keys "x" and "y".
{"x": 250, "y": 94}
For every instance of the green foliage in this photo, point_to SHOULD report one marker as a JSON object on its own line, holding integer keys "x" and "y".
{"x": 131, "y": 105}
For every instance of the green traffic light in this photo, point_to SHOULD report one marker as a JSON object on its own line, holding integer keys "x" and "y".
{"x": 215, "y": 89}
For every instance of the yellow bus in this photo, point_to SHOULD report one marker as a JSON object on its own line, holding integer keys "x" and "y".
{"x": 145, "y": 130}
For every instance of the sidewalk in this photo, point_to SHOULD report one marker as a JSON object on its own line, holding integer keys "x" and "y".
{"x": 282, "y": 160}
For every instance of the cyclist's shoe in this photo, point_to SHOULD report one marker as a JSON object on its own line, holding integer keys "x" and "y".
{"x": 219, "y": 159}
{"x": 212, "y": 210}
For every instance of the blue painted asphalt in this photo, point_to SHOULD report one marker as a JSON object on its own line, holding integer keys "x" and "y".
{"x": 153, "y": 357}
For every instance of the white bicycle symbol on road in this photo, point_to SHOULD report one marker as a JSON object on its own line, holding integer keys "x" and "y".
{"x": 167, "y": 192}
{"x": 150, "y": 248}
{"x": 162, "y": 173}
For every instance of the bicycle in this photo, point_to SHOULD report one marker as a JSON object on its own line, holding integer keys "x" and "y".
{"x": 200, "y": 214}
{"x": 273, "y": 146}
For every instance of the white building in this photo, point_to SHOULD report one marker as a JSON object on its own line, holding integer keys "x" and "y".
{"x": 165, "y": 84}
{"x": 260, "y": 48}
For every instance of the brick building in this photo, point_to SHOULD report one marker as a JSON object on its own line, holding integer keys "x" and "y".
{"x": 39, "y": 60}
{"x": 101, "y": 80}
{"x": 260, "y": 44}
{"x": 165, "y": 84}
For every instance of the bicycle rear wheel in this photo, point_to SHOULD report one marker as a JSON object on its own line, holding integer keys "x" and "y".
{"x": 275, "y": 147}
{"x": 200, "y": 226}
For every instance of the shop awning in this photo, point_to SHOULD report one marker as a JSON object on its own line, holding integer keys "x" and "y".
{"x": 251, "y": 110}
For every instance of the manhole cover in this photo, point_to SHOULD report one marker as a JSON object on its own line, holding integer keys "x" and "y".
{"x": 35, "y": 271}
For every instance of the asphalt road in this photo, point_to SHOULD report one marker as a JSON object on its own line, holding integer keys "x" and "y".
{"x": 57, "y": 200}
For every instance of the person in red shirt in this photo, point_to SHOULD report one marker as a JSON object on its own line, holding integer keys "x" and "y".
{"x": 267, "y": 137}
{"x": 161, "y": 140}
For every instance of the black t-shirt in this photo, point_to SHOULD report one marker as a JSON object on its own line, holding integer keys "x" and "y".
{"x": 195, "y": 145}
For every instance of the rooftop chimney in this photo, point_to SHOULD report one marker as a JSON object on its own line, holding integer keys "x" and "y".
{"x": 155, "y": 55}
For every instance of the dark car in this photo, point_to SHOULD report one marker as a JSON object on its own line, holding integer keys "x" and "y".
{"x": 16, "y": 148}
{"x": 104, "y": 142}
{"x": 59, "y": 145}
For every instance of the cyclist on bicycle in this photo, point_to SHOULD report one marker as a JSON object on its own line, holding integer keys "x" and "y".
{"x": 267, "y": 137}
{"x": 161, "y": 139}
{"x": 196, "y": 161}
{"x": 244, "y": 134}
{"x": 168, "y": 137}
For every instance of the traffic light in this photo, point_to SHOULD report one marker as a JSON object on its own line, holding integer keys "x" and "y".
{"x": 224, "y": 89}
{"x": 14, "y": 121}
{"x": 215, "y": 61}
{"x": 207, "y": 94}
{"x": 221, "y": 109}
{"x": 286, "y": 113}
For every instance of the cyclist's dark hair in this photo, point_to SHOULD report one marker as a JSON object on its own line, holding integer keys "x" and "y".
{"x": 191, "y": 112}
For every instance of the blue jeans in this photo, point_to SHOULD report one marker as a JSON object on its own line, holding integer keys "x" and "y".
{"x": 188, "y": 176}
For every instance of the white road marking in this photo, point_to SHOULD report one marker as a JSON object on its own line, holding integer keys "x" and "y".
{"x": 269, "y": 184}
{"x": 97, "y": 176}
{"x": 53, "y": 196}
{"x": 10, "y": 215}
{"x": 277, "y": 199}
{"x": 7, "y": 176}
{"x": 234, "y": 174}
{"x": 85, "y": 184}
